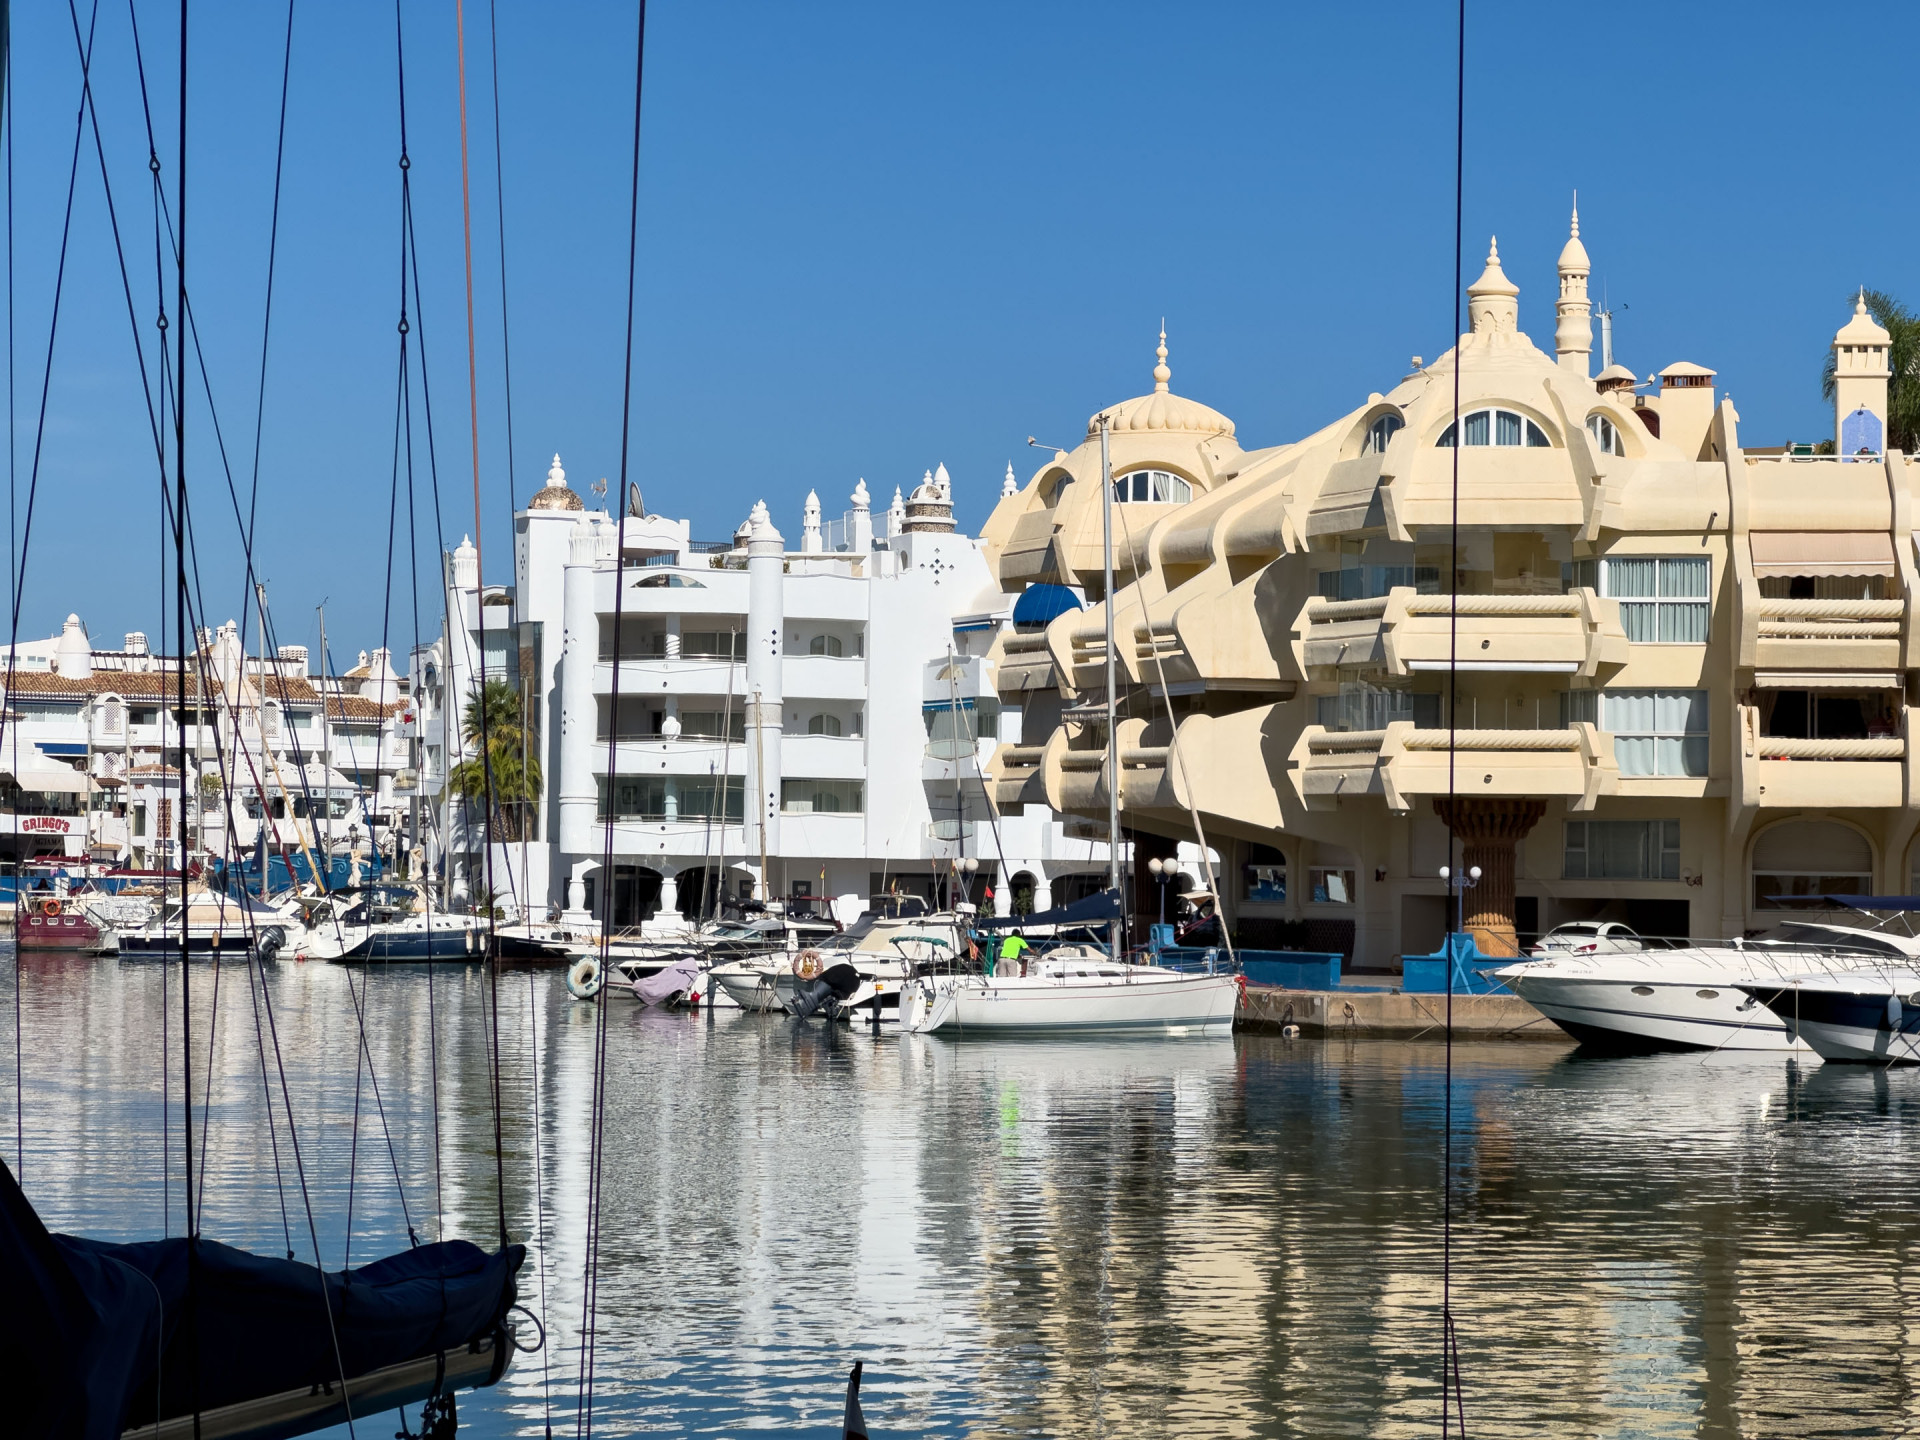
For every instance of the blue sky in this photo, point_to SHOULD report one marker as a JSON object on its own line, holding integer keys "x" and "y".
{"x": 878, "y": 237}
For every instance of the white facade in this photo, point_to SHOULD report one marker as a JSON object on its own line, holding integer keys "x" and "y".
{"x": 770, "y": 700}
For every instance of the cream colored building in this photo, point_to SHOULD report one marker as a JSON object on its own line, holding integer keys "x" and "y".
{"x": 1678, "y": 671}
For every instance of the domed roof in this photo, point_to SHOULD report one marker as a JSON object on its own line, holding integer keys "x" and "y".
{"x": 1573, "y": 255}
{"x": 1162, "y": 410}
{"x": 557, "y": 495}
{"x": 1861, "y": 329}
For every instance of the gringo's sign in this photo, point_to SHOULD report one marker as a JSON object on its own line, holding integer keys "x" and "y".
{"x": 51, "y": 823}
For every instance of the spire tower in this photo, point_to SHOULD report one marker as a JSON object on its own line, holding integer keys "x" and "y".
{"x": 1573, "y": 335}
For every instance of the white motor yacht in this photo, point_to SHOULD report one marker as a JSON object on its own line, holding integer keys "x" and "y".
{"x": 1692, "y": 998}
{"x": 214, "y": 921}
{"x": 1866, "y": 1016}
{"x": 1076, "y": 988}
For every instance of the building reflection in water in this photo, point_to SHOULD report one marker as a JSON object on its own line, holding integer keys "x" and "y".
{"x": 1202, "y": 1238}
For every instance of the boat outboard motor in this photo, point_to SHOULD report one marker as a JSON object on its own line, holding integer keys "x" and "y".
{"x": 833, "y": 986}
{"x": 271, "y": 940}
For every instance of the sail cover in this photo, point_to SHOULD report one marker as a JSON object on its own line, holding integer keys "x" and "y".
{"x": 96, "y": 1324}
{"x": 1096, "y": 909}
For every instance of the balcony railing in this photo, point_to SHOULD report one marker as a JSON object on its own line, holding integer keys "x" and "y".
{"x": 1878, "y": 747}
{"x": 1405, "y": 631}
{"x": 1830, "y": 619}
{"x": 1401, "y": 763}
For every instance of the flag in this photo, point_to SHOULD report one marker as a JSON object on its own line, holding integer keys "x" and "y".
{"x": 854, "y": 1427}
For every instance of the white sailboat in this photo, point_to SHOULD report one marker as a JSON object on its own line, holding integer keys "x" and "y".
{"x": 1078, "y": 988}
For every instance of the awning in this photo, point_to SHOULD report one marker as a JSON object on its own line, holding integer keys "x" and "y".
{"x": 1828, "y": 679}
{"x": 1823, "y": 552}
{"x": 59, "y": 747}
{"x": 1097, "y": 909}
{"x": 54, "y": 780}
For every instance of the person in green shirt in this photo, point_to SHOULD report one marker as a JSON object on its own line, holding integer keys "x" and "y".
{"x": 1011, "y": 949}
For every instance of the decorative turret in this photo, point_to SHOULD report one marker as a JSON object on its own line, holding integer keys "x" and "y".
{"x": 1860, "y": 375}
{"x": 1009, "y": 486}
{"x": 810, "y": 525}
{"x": 860, "y": 538}
{"x": 1573, "y": 335}
{"x": 73, "y": 655}
{"x": 896, "y": 515}
{"x": 466, "y": 563}
{"x": 930, "y": 507}
{"x": 1493, "y": 301}
{"x": 558, "y": 495}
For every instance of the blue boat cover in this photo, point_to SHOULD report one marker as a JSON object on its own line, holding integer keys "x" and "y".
{"x": 1093, "y": 910}
{"x": 94, "y": 1325}
{"x": 1040, "y": 603}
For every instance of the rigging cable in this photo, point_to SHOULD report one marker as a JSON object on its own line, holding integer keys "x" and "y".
{"x": 33, "y": 485}
{"x": 492, "y": 807}
{"x": 1449, "y": 1348}
{"x": 597, "y": 1149}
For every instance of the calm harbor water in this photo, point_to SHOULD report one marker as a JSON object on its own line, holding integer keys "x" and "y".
{"x": 1051, "y": 1239}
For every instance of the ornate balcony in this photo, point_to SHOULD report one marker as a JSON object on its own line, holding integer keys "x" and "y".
{"x": 1403, "y": 764}
{"x": 1781, "y": 772}
{"x": 1578, "y": 633}
{"x": 1826, "y": 634}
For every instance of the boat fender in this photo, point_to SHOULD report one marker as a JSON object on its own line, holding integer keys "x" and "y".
{"x": 584, "y": 978}
{"x": 807, "y": 964}
{"x": 1896, "y": 1012}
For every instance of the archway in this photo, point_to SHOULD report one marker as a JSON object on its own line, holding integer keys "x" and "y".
{"x": 1796, "y": 861}
{"x": 635, "y": 895}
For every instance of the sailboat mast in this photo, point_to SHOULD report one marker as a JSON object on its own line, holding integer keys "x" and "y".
{"x": 1113, "y": 746}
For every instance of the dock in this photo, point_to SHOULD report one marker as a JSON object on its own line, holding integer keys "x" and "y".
{"x": 1391, "y": 1014}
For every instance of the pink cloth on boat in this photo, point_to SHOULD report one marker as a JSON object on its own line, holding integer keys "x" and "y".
{"x": 676, "y": 979}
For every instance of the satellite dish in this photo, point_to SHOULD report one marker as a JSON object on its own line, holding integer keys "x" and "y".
{"x": 634, "y": 506}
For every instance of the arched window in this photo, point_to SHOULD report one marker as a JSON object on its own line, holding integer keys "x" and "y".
{"x": 1801, "y": 859}
{"x": 112, "y": 717}
{"x": 824, "y": 725}
{"x": 1605, "y": 435}
{"x": 1151, "y": 487}
{"x": 1498, "y": 427}
{"x": 825, "y": 645}
{"x": 1379, "y": 433}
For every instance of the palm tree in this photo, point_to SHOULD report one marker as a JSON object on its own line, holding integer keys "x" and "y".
{"x": 494, "y": 726}
{"x": 1903, "y": 359}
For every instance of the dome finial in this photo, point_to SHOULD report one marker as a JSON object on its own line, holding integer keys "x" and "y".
{"x": 1161, "y": 374}
{"x": 1576, "y": 215}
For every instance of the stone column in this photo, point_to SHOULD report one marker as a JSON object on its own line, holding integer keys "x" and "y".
{"x": 1488, "y": 830}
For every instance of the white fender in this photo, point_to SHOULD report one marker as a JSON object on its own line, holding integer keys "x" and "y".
{"x": 584, "y": 978}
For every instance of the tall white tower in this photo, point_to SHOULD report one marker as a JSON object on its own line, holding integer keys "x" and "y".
{"x": 1573, "y": 336}
{"x": 766, "y": 627}
{"x": 580, "y": 653}
{"x": 810, "y": 543}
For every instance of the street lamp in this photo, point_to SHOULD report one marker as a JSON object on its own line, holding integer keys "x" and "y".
{"x": 1162, "y": 871}
{"x": 1457, "y": 887}
{"x": 968, "y": 865}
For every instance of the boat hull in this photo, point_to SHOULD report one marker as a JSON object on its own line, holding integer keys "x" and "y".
{"x": 63, "y": 934}
{"x": 1848, "y": 1027}
{"x": 1178, "y": 1005}
{"x": 1684, "y": 1014}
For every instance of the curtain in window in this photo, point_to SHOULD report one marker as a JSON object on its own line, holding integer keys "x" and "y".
{"x": 1631, "y": 579}
{"x": 1507, "y": 428}
{"x": 1477, "y": 428}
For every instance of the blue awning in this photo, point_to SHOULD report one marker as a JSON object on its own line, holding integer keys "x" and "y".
{"x": 59, "y": 747}
{"x": 1040, "y": 603}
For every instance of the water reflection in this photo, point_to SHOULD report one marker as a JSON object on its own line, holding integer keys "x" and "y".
{"x": 1199, "y": 1238}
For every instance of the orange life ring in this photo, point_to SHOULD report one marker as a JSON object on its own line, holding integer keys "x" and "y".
{"x": 49, "y": 908}
{"x": 807, "y": 965}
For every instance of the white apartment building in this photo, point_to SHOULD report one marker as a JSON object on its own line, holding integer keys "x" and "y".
{"x": 94, "y": 742}
{"x": 826, "y": 705}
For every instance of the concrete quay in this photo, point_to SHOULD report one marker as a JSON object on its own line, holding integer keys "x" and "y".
{"x": 1390, "y": 1014}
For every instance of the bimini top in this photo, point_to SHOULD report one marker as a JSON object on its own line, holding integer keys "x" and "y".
{"x": 1040, "y": 604}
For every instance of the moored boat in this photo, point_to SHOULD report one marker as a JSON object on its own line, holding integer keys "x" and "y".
{"x": 1868, "y": 1016}
{"x": 1075, "y": 989}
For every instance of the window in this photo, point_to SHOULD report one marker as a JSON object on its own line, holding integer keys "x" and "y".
{"x": 1605, "y": 435}
{"x": 1498, "y": 427}
{"x": 45, "y": 710}
{"x": 112, "y": 716}
{"x": 1380, "y": 432}
{"x": 825, "y": 645}
{"x": 635, "y": 797}
{"x": 1151, "y": 487}
{"x": 713, "y": 724}
{"x": 970, "y": 720}
{"x": 1264, "y": 876}
{"x": 1801, "y": 859}
{"x": 1360, "y": 706}
{"x": 824, "y": 725}
{"x": 712, "y": 645}
{"x": 820, "y": 797}
{"x": 1655, "y": 732}
{"x": 145, "y": 715}
{"x": 711, "y": 799}
{"x": 1332, "y": 885}
{"x": 1370, "y": 582}
{"x": 1623, "y": 850}
{"x": 1663, "y": 599}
